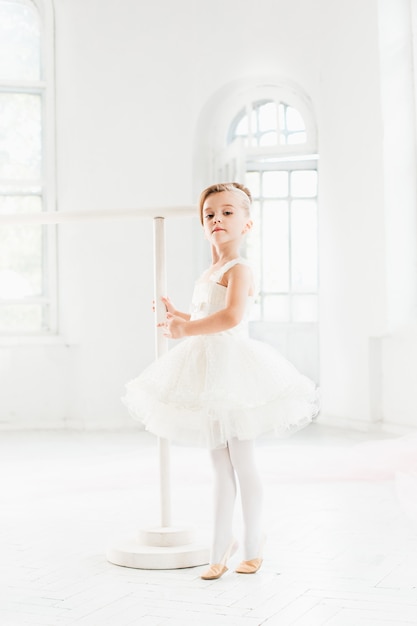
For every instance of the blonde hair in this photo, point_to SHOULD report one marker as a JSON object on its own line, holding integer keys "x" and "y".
{"x": 243, "y": 192}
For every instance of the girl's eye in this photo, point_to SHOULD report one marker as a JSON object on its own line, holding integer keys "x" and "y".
{"x": 228, "y": 213}
{"x": 208, "y": 216}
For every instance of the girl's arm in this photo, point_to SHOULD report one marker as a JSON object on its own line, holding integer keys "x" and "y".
{"x": 239, "y": 286}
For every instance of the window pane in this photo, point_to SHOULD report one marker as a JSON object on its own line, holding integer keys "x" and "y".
{"x": 304, "y": 183}
{"x": 19, "y": 41}
{"x": 20, "y": 136}
{"x": 20, "y": 204}
{"x": 21, "y": 318}
{"x": 296, "y": 138}
{"x": 252, "y": 181}
{"x": 267, "y": 116}
{"x": 275, "y": 248}
{"x": 304, "y": 308}
{"x": 276, "y": 309}
{"x": 268, "y": 139}
{"x": 292, "y": 125}
{"x": 252, "y": 249}
{"x": 304, "y": 245}
{"x": 294, "y": 121}
{"x": 21, "y": 250}
{"x": 275, "y": 184}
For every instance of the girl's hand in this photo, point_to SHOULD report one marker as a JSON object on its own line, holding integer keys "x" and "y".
{"x": 174, "y": 326}
{"x": 171, "y": 311}
{"x": 168, "y": 304}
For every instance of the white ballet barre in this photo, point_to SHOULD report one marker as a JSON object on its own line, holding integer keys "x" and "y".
{"x": 64, "y": 217}
{"x": 166, "y": 546}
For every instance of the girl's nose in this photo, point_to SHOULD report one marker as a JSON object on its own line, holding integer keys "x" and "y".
{"x": 217, "y": 218}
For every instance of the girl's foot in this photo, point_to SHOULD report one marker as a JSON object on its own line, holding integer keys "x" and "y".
{"x": 249, "y": 567}
{"x": 218, "y": 569}
{"x": 252, "y": 566}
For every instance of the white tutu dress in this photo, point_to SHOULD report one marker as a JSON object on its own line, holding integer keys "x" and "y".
{"x": 210, "y": 388}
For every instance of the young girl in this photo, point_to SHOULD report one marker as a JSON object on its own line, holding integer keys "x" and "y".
{"x": 219, "y": 388}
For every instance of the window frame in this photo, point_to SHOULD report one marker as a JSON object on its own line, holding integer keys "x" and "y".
{"x": 298, "y": 341}
{"x": 287, "y": 166}
{"x": 232, "y": 159}
{"x": 45, "y": 88}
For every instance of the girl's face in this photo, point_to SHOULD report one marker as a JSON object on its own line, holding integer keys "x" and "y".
{"x": 224, "y": 218}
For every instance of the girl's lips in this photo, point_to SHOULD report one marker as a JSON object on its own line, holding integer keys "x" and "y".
{"x": 216, "y": 230}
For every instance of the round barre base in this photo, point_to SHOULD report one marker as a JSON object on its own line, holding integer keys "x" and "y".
{"x": 159, "y": 548}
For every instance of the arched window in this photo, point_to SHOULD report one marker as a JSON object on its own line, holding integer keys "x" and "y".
{"x": 268, "y": 123}
{"x": 27, "y": 181}
{"x": 269, "y": 143}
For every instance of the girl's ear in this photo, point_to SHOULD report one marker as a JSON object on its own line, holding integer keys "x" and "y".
{"x": 248, "y": 226}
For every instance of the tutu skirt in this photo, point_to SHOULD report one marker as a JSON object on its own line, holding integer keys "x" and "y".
{"x": 210, "y": 388}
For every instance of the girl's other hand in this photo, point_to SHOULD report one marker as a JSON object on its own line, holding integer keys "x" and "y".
{"x": 174, "y": 326}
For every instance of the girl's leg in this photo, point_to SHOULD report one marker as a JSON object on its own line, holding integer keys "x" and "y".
{"x": 242, "y": 454}
{"x": 224, "y": 501}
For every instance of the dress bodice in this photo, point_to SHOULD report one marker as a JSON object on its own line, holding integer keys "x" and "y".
{"x": 209, "y": 297}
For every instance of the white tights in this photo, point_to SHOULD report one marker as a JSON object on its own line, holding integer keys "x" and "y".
{"x": 238, "y": 458}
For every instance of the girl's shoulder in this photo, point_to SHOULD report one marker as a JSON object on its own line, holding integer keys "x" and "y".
{"x": 218, "y": 273}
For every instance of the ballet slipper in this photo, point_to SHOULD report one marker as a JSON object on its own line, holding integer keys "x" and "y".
{"x": 251, "y": 566}
{"x": 218, "y": 569}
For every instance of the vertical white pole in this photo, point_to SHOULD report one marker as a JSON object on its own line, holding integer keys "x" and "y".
{"x": 161, "y": 347}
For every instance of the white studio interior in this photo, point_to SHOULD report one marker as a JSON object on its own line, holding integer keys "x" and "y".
{"x": 120, "y": 109}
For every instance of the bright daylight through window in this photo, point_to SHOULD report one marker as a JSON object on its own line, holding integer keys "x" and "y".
{"x": 283, "y": 182}
{"x": 25, "y": 250}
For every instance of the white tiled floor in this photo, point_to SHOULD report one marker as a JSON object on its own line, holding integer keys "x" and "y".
{"x": 341, "y": 519}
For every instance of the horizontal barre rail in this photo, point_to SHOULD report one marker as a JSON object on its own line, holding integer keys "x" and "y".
{"x": 62, "y": 217}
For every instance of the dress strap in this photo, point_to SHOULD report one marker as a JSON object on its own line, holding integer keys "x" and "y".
{"x": 218, "y": 274}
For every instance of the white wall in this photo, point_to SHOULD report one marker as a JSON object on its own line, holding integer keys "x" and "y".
{"x": 352, "y": 247}
{"x": 135, "y": 82}
{"x": 399, "y": 342}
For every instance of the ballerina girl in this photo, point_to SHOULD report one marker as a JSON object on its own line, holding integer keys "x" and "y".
{"x": 219, "y": 388}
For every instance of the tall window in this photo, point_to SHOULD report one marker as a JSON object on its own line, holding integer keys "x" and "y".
{"x": 27, "y": 263}
{"x": 270, "y": 145}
